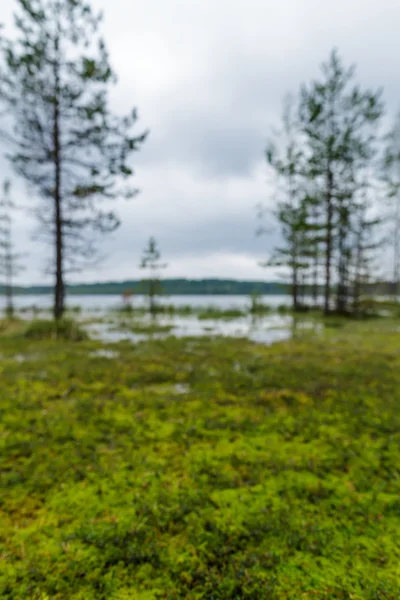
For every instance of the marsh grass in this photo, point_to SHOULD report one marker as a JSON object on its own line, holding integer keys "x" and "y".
{"x": 212, "y": 312}
{"x": 143, "y": 327}
{"x": 64, "y": 329}
{"x": 11, "y": 326}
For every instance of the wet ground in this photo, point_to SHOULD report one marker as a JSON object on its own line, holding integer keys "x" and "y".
{"x": 267, "y": 329}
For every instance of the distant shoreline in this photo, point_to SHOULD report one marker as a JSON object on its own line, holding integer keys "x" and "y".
{"x": 170, "y": 287}
{"x": 186, "y": 287}
{"x": 162, "y": 295}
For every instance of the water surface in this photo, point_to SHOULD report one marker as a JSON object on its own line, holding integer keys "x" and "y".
{"x": 108, "y": 326}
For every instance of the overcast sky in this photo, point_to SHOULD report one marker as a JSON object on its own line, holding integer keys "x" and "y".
{"x": 208, "y": 78}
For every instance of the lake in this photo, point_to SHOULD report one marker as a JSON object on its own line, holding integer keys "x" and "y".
{"x": 109, "y": 327}
{"x": 107, "y": 302}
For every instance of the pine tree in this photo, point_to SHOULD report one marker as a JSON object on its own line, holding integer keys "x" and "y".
{"x": 65, "y": 141}
{"x": 151, "y": 261}
{"x": 284, "y": 156}
{"x": 339, "y": 121}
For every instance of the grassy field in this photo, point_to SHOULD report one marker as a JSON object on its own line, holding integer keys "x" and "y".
{"x": 201, "y": 468}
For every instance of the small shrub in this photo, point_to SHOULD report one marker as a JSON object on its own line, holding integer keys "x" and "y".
{"x": 125, "y": 309}
{"x": 256, "y": 305}
{"x": 64, "y": 329}
{"x": 283, "y": 309}
{"x": 75, "y": 309}
{"x": 171, "y": 309}
{"x": 303, "y": 308}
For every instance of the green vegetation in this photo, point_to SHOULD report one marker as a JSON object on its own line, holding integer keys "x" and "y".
{"x": 64, "y": 329}
{"x": 10, "y": 326}
{"x": 201, "y": 312}
{"x": 212, "y": 312}
{"x": 184, "y": 310}
{"x": 152, "y": 265}
{"x": 143, "y": 327}
{"x": 42, "y": 329}
{"x": 325, "y": 161}
{"x": 199, "y": 468}
{"x": 256, "y": 305}
{"x": 381, "y": 308}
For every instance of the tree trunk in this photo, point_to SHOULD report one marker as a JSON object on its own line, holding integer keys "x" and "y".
{"x": 295, "y": 280}
{"x": 9, "y": 276}
{"x": 59, "y": 292}
{"x": 329, "y": 242}
{"x": 315, "y": 258}
{"x": 342, "y": 292}
{"x": 152, "y": 297}
{"x": 295, "y": 291}
{"x": 315, "y": 278}
{"x": 396, "y": 278}
{"x": 59, "y": 286}
{"x": 10, "y": 304}
{"x": 303, "y": 290}
{"x": 357, "y": 276}
{"x": 341, "y": 299}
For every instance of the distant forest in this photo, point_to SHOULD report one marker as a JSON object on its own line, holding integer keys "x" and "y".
{"x": 170, "y": 287}
{"x": 178, "y": 287}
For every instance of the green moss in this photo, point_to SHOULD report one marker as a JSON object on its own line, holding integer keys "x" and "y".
{"x": 201, "y": 468}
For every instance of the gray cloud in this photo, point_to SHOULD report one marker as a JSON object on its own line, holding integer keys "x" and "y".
{"x": 208, "y": 79}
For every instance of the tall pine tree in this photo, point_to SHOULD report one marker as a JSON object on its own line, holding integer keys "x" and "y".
{"x": 151, "y": 262}
{"x": 285, "y": 157}
{"x": 338, "y": 120}
{"x": 65, "y": 141}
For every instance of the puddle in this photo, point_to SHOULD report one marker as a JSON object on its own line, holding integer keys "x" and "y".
{"x": 175, "y": 389}
{"x": 107, "y": 332}
{"x": 270, "y": 336}
{"x": 181, "y": 388}
{"x": 265, "y": 330}
{"x": 104, "y": 354}
{"x": 21, "y": 358}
